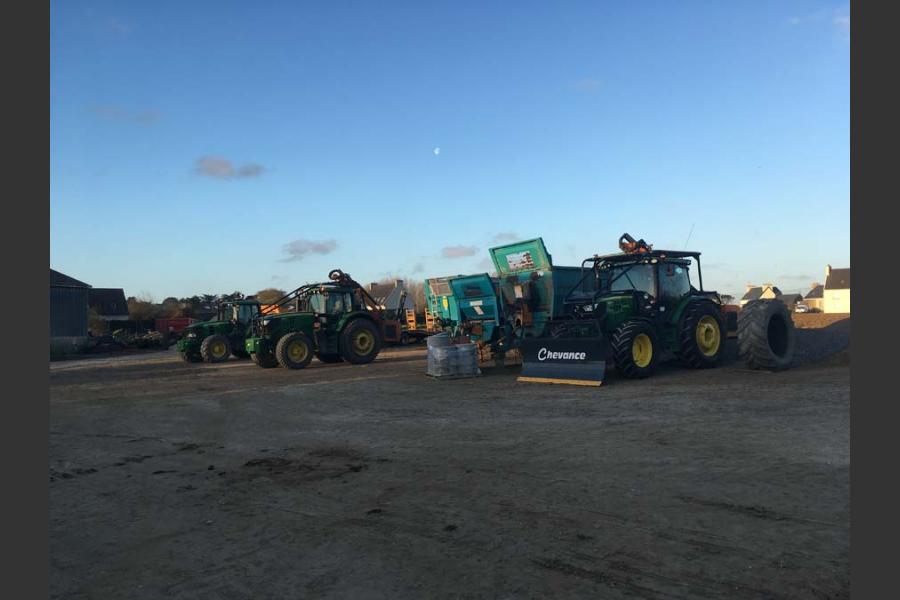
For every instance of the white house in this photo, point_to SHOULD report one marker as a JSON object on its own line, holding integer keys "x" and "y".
{"x": 836, "y": 295}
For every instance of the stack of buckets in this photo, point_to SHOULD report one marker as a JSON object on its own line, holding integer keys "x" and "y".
{"x": 451, "y": 360}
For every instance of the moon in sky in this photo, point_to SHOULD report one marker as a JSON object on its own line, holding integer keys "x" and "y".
{"x": 436, "y": 151}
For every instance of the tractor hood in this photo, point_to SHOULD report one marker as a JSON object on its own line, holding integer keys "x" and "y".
{"x": 203, "y": 328}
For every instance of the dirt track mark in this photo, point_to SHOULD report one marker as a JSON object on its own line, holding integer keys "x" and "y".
{"x": 759, "y": 512}
{"x": 291, "y": 471}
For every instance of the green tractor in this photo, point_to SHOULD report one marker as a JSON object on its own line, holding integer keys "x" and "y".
{"x": 215, "y": 340}
{"x": 335, "y": 321}
{"x": 630, "y": 308}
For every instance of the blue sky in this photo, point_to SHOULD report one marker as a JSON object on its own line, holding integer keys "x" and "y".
{"x": 210, "y": 147}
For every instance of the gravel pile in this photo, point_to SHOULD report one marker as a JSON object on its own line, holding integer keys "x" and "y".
{"x": 817, "y": 344}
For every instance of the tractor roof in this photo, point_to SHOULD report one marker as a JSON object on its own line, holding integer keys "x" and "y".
{"x": 657, "y": 254}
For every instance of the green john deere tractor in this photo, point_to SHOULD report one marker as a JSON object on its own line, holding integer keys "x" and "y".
{"x": 215, "y": 340}
{"x": 630, "y": 308}
{"x": 335, "y": 321}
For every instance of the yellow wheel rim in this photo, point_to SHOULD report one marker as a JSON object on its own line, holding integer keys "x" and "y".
{"x": 642, "y": 350}
{"x": 218, "y": 349}
{"x": 709, "y": 337}
{"x": 298, "y": 351}
{"x": 363, "y": 342}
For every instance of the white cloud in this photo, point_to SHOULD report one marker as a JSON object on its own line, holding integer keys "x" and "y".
{"x": 299, "y": 249}
{"x": 458, "y": 251}
{"x": 506, "y": 236}
{"x": 222, "y": 168}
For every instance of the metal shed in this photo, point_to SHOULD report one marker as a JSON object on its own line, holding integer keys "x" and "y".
{"x": 68, "y": 306}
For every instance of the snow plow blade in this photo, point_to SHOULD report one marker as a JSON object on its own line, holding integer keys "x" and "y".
{"x": 572, "y": 361}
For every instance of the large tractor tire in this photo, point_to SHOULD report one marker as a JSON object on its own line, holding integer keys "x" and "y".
{"x": 329, "y": 358}
{"x": 215, "y": 349}
{"x": 636, "y": 349}
{"x": 701, "y": 335}
{"x": 766, "y": 335}
{"x": 294, "y": 351}
{"x": 264, "y": 361}
{"x": 360, "y": 342}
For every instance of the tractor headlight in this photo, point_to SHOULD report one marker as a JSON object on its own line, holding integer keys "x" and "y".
{"x": 265, "y": 322}
{"x": 191, "y": 335}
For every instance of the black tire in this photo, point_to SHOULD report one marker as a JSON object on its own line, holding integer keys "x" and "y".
{"x": 701, "y": 335}
{"x": 190, "y": 358}
{"x": 215, "y": 348}
{"x": 766, "y": 335}
{"x": 294, "y": 350}
{"x": 264, "y": 361}
{"x": 404, "y": 339}
{"x": 360, "y": 342}
{"x": 630, "y": 351}
{"x": 329, "y": 358}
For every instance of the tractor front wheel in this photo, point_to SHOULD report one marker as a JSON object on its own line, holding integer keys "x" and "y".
{"x": 294, "y": 351}
{"x": 329, "y": 358}
{"x": 635, "y": 349}
{"x": 215, "y": 349}
{"x": 701, "y": 339}
{"x": 360, "y": 342}
{"x": 190, "y": 358}
{"x": 265, "y": 361}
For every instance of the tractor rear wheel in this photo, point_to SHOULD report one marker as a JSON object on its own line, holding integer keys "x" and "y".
{"x": 294, "y": 351}
{"x": 215, "y": 349}
{"x": 701, "y": 338}
{"x": 360, "y": 342}
{"x": 635, "y": 349}
{"x": 265, "y": 361}
{"x": 329, "y": 358}
{"x": 766, "y": 335}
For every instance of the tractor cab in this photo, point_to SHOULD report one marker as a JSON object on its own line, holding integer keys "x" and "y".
{"x": 237, "y": 311}
{"x": 638, "y": 281}
{"x": 660, "y": 280}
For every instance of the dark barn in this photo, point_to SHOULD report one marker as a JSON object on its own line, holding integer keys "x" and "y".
{"x": 68, "y": 306}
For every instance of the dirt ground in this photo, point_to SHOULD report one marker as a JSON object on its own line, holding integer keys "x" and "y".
{"x": 170, "y": 480}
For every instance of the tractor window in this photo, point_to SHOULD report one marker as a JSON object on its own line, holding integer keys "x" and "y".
{"x": 338, "y": 303}
{"x": 674, "y": 283}
{"x": 246, "y": 312}
{"x": 314, "y": 303}
{"x": 632, "y": 277}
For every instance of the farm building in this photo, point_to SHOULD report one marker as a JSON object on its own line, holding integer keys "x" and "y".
{"x": 388, "y": 295}
{"x": 837, "y": 290}
{"x": 814, "y": 298}
{"x": 766, "y": 291}
{"x": 791, "y": 300}
{"x": 68, "y": 312}
{"x": 108, "y": 303}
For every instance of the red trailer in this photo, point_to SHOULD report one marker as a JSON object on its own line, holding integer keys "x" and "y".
{"x": 173, "y": 324}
